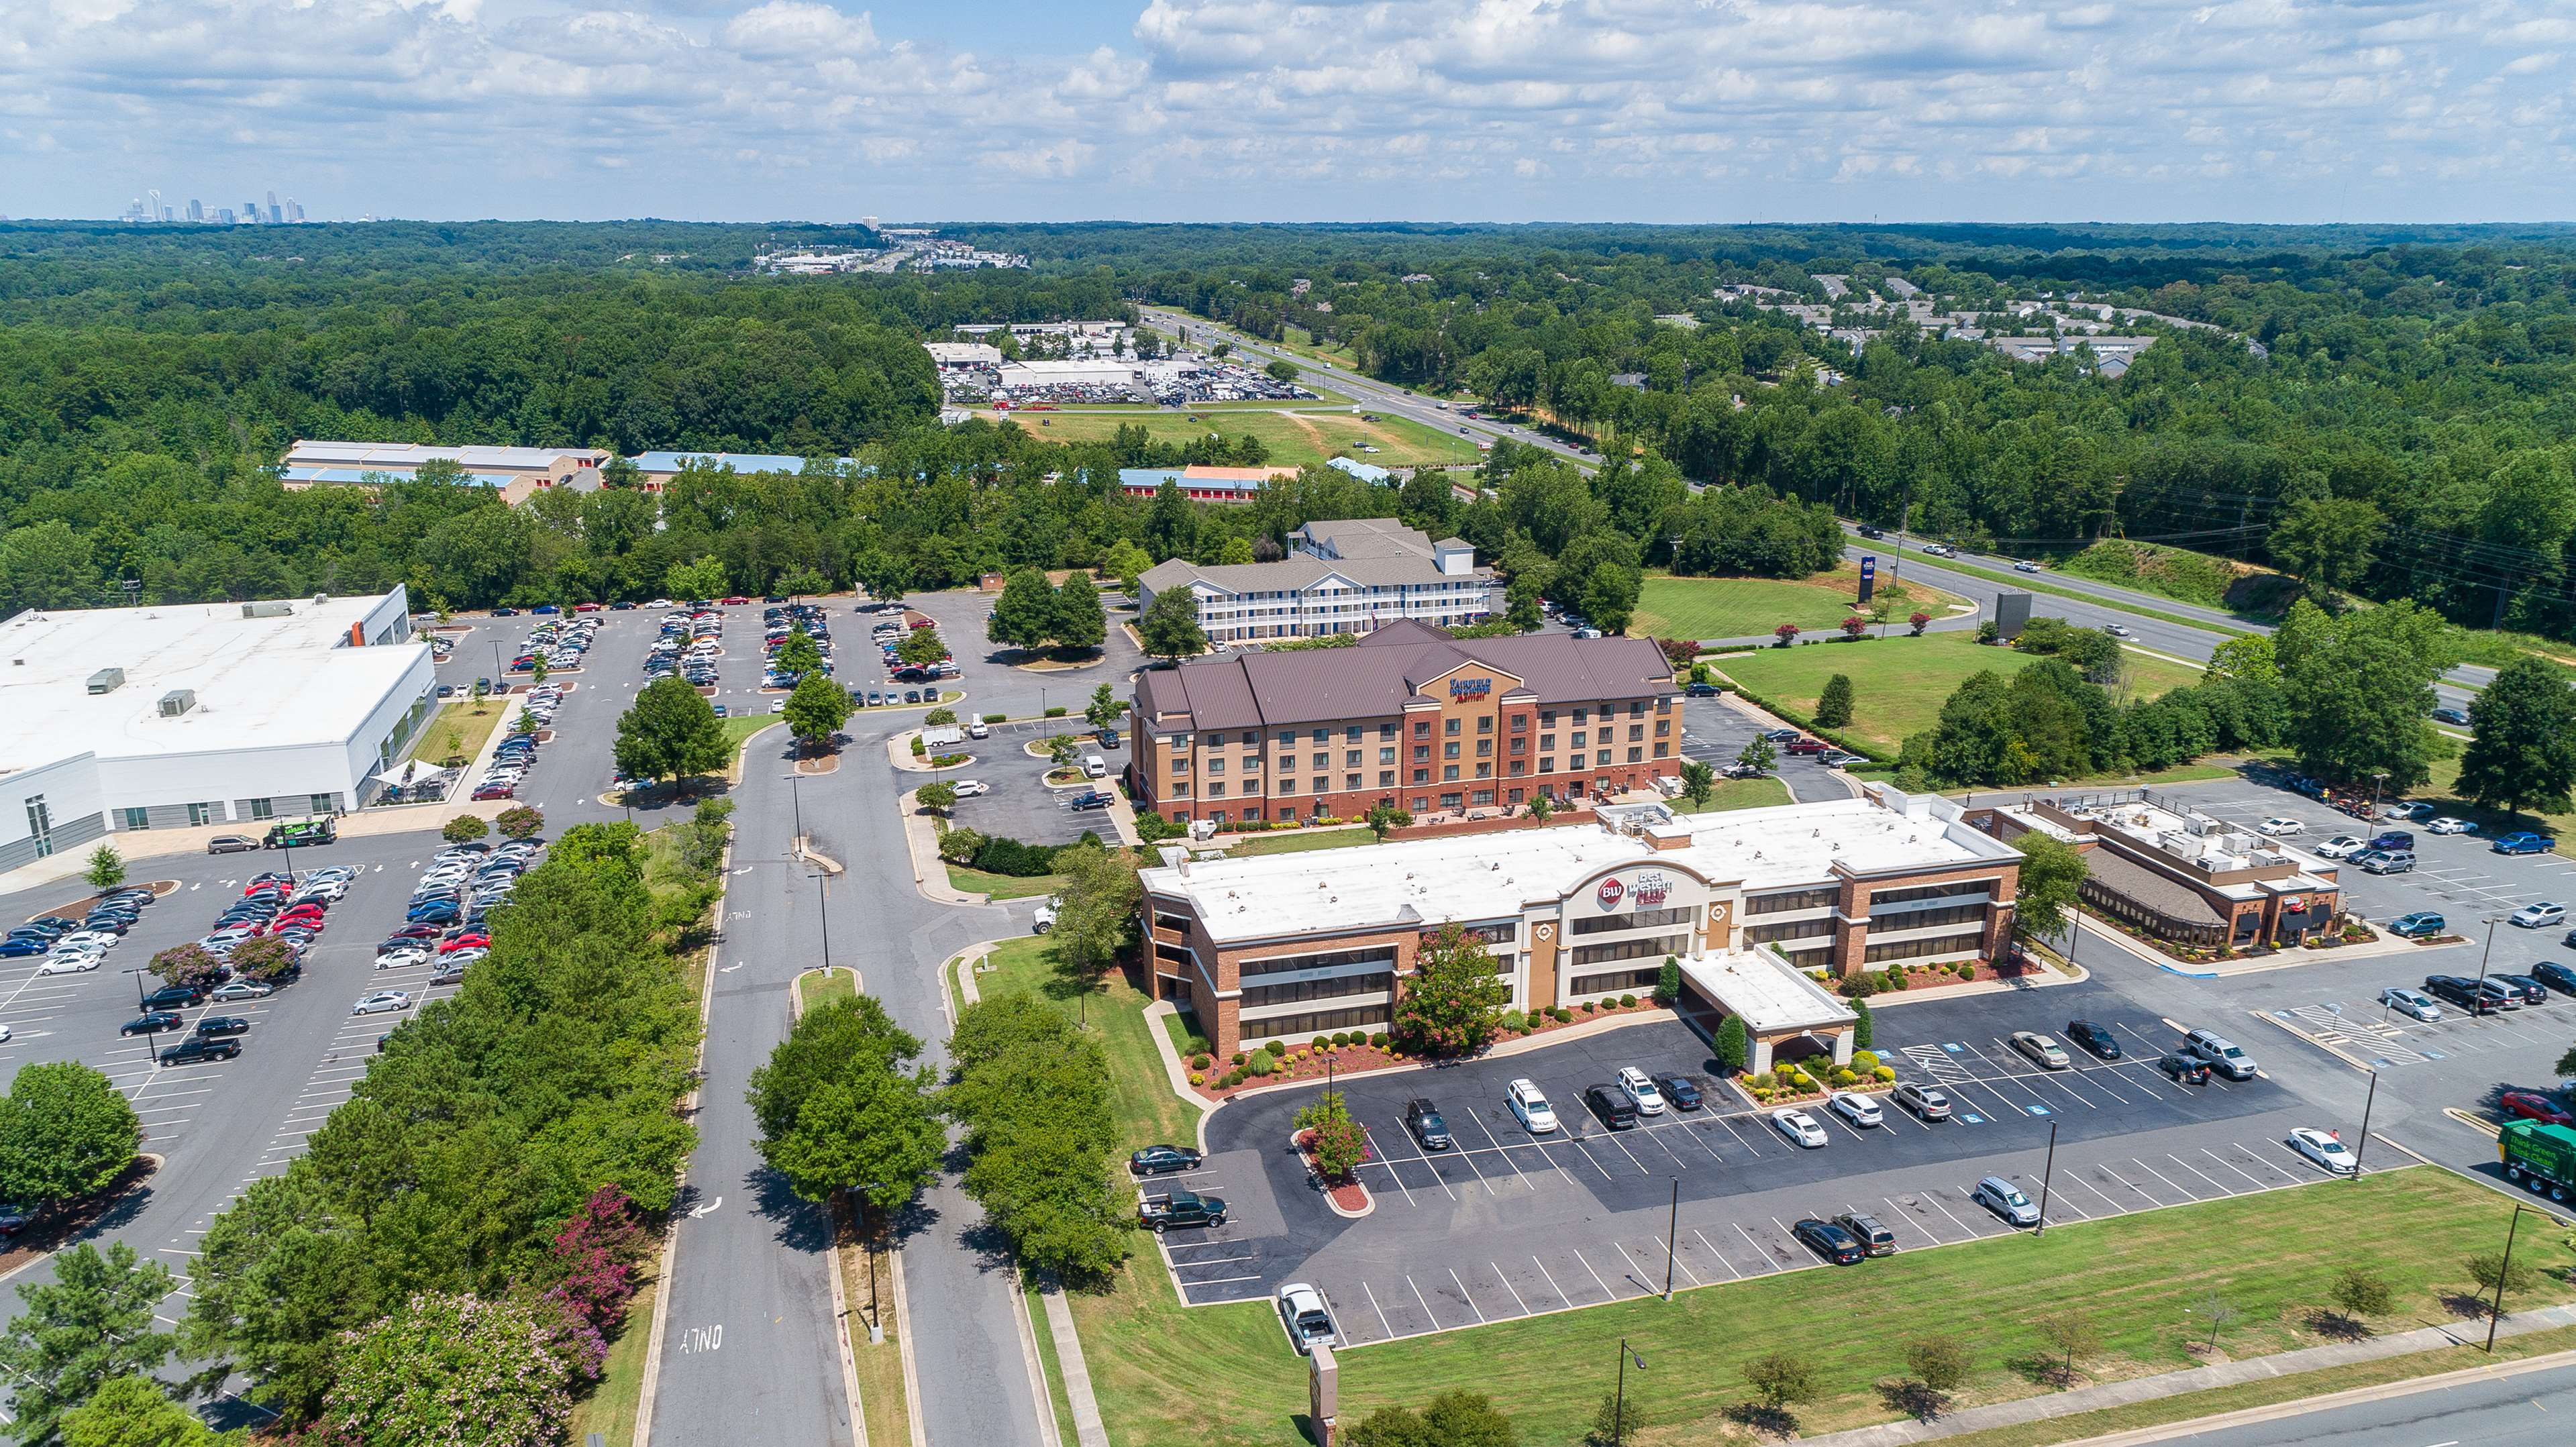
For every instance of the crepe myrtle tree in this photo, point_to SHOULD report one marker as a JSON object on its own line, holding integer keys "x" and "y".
{"x": 1454, "y": 1003}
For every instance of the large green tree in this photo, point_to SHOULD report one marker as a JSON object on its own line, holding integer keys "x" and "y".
{"x": 816, "y": 709}
{"x": 1079, "y": 620}
{"x": 843, "y": 1105}
{"x": 2522, "y": 739}
{"x": 2328, "y": 543}
{"x": 1170, "y": 625}
{"x": 670, "y": 732}
{"x": 2359, "y": 690}
{"x": 92, "y": 1323}
{"x": 455, "y": 1368}
{"x": 135, "y": 1411}
{"x": 1024, "y": 616}
{"x": 700, "y": 579}
{"x": 1452, "y": 1003}
{"x": 46, "y": 565}
{"x": 66, "y": 1132}
{"x": 2052, "y": 882}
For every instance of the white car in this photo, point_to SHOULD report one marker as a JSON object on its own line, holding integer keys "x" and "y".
{"x": 90, "y": 939}
{"x": 1859, "y": 1109}
{"x": 1799, "y": 1126}
{"x": 659, "y": 603}
{"x": 972, "y": 788}
{"x": 403, "y": 959}
{"x": 2448, "y": 824}
{"x": 979, "y": 730}
{"x": 2117, "y": 630}
{"x": 2322, "y": 1148}
{"x": 382, "y": 1002}
{"x": 233, "y": 990}
{"x": 1530, "y": 1106}
{"x": 4, "y": 1034}
{"x": 2342, "y": 846}
{"x": 71, "y": 964}
{"x": 2413, "y": 1004}
{"x": 2280, "y": 828}
{"x": 1046, "y": 914}
{"x": 2538, "y": 916}
{"x": 1641, "y": 1091}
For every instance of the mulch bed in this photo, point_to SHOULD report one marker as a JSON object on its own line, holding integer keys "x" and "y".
{"x": 1347, "y": 1193}
{"x": 58, "y": 1226}
{"x": 1358, "y": 1059}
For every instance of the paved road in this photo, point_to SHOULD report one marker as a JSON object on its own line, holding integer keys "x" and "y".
{"x": 2529, "y": 1410}
{"x": 2458, "y": 688}
{"x": 1379, "y": 396}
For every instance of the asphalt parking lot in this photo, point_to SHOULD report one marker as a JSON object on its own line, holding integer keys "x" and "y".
{"x": 220, "y": 1126}
{"x": 1506, "y": 1224}
{"x": 1713, "y": 734}
{"x": 1021, "y": 806}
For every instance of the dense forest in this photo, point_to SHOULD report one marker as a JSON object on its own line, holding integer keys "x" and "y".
{"x": 2379, "y": 410}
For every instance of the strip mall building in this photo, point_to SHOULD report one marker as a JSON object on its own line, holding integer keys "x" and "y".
{"x": 1288, "y": 946}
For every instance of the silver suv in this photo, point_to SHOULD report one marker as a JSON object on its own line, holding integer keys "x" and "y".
{"x": 1923, "y": 1100}
{"x": 2223, "y": 1054}
{"x": 2006, "y": 1200}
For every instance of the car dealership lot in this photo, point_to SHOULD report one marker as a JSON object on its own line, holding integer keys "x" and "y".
{"x": 1507, "y": 1224}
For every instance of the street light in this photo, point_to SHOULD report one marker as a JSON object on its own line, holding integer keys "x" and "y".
{"x": 2377, "y": 778}
{"x": 1619, "y": 1403}
{"x": 2047, "y": 1173}
{"x": 2503, "y": 1269}
{"x": 1672, "y": 1231}
{"x": 2483, "y": 956}
{"x": 2367, "y": 1102}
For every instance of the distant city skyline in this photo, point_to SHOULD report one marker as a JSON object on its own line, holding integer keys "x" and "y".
{"x": 1262, "y": 110}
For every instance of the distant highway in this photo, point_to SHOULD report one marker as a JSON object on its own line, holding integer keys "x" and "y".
{"x": 1377, "y": 396}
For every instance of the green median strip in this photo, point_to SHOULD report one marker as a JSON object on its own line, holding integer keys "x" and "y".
{"x": 2026, "y": 581}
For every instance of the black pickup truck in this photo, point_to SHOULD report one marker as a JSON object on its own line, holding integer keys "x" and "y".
{"x": 1181, "y": 1208}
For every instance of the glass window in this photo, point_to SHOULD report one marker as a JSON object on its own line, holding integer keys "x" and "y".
{"x": 1484, "y": 723}
{"x": 1251, "y": 739}
{"x": 1449, "y": 750}
{"x": 1351, "y": 734}
{"x": 1615, "y": 982}
{"x": 138, "y": 818}
{"x": 198, "y": 814}
{"x": 1637, "y": 919}
{"x": 1915, "y": 949}
{"x": 1639, "y": 949}
{"x": 1386, "y": 756}
{"x": 259, "y": 809}
{"x": 1448, "y": 772}
{"x": 1422, "y": 728}
{"x": 1449, "y": 726}
{"x": 1578, "y": 715}
{"x": 1792, "y": 899}
{"x": 1386, "y": 778}
{"x": 324, "y": 803}
{"x": 1323, "y": 736}
{"x": 1546, "y": 765}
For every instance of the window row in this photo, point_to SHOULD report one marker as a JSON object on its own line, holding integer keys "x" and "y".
{"x": 1916, "y": 949}
{"x": 1313, "y": 1022}
{"x": 1657, "y": 946}
{"x": 1640, "y": 919}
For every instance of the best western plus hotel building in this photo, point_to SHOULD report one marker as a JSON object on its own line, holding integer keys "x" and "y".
{"x": 1407, "y": 716}
{"x": 1288, "y": 946}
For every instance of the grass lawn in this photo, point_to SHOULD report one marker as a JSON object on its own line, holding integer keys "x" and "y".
{"x": 1297, "y": 841}
{"x": 1899, "y": 684}
{"x": 818, "y": 990}
{"x": 1759, "y": 793}
{"x": 1002, "y": 886}
{"x": 2492, "y": 822}
{"x": 1215, "y": 1376}
{"x": 460, "y": 718}
{"x": 742, "y": 726}
{"x": 1053, "y": 1364}
{"x": 609, "y": 1410}
{"x": 1294, "y": 438}
{"x": 1671, "y": 607}
{"x": 1139, "y": 1091}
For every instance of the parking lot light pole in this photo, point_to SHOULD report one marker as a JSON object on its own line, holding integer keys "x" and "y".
{"x": 2047, "y": 1173}
{"x": 2502, "y": 1271}
{"x": 1619, "y": 1402}
{"x": 1672, "y": 1231}
{"x": 2366, "y": 1102}
{"x": 2483, "y": 956}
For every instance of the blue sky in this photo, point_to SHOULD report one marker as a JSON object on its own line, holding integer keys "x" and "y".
{"x": 1642, "y": 110}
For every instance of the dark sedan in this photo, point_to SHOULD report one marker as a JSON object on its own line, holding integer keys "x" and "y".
{"x": 2094, "y": 1038}
{"x": 1681, "y": 1091}
{"x": 1830, "y": 1241}
{"x": 1163, "y": 1160}
{"x": 150, "y": 1024}
{"x": 215, "y": 1025}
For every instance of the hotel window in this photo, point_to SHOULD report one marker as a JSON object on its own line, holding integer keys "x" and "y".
{"x": 1637, "y": 708}
{"x": 1323, "y": 736}
{"x": 1663, "y": 748}
{"x": 1636, "y": 756}
{"x": 138, "y": 818}
{"x": 1288, "y": 736}
{"x": 1485, "y": 748}
{"x": 1350, "y": 781}
{"x": 1448, "y": 772}
{"x": 1546, "y": 765}
{"x": 1632, "y": 949}
{"x": 1386, "y": 756}
{"x": 1601, "y": 760}
{"x": 1386, "y": 731}
{"x": 1286, "y": 785}
{"x": 1180, "y": 765}
{"x": 1251, "y": 740}
{"x": 1638, "y": 919}
{"x": 1519, "y": 767}
{"x": 1520, "y": 746}
{"x": 1520, "y": 723}
{"x": 1421, "y": 776}
{"x": 1663, "y": 726}
{"x": 1916, "y": 949}
{"x": 1252, "y": 763}
{"x": 1581, "y": 738}
{"x": 1636, "y": 732}
{"x": 1351, "y": 735}
{"x": 1216, "y": 766}
{"x": 1484, "y": 723}
{"x": 1796, "y": 929}
{"x": 1578, "y": 715}
{"x": 1482, "y": 797}
{"x": 1421, "y": 802}
{"x": 1321, "y": 785}
{"x": 1215, "y": 741}
{"x": 1484, "y": 771}
{"x": 1449, "y": 750}
{"x": 1422, "y": 728}
{"x": 1547, "y": 718}
{"x": 1323, "y": 761}
{"x": 1180, "y": 791}
{"x": 1351, "y": 758}
{"x": 1547, "y": 741}
{"x": 1216, "y": 791}
{"x": 1449, "y": 726}
{"x": 1422, "y": 753}
{"x": 1793, "y": 899}
{"x": 1448, "y": 801}
{"x": 1386, "y": 778}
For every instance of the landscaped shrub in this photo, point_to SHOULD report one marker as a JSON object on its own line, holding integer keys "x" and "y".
{"x": 1626, "y": 1001}
{"x": 917, "y": 749}
{"x": 1515, "y": 1021}
{"x": 1894, "y": 979}
{"x": 1844, "y": 1078}
{"x": 1239, "y": 1057}
{"x": 1231, "y": 1079}
{"x": 1197, "y": 1079}
{"x": 1056, "y": 712}
{"x": 997, "y": 718}
{"x": 1341, "y": 1038}
{"x": 1199, "y": 1062}
{"x": 1763, "y": 1080}
{"x": 1262, "y": 1064}
{"x": 1859, "y": 987}
{"x": 1884, "y": 1075}
{"x": 949, "y": 761}
{"x": 1864, "y": 1061}
{"x": 1967, "y": 969}
{"x": 1323, "y": 1042}
{"x": 1378, "y": 1039}
{"x": 1560, "y": 1014}
{"x": 1276, "y": 1047}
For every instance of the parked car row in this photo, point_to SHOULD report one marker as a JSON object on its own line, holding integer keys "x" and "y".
{"x": 687, "y": 648}
{"x": 559, "y": 644}
{"x": 74, "y": 946}
{"x": 780, "y": 623}
{"x": 517, "y": 751}
{"x": 447, "y": 921}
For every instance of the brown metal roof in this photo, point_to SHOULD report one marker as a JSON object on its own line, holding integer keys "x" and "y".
{"x": 1374, "y": 678}
{"x": 2144, "y": 887}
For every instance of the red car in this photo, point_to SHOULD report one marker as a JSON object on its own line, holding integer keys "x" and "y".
{"x": 309, "y": 918}
{"x": 496, "y": 791}
{"x": 585, "y": 607}
{"x": 2531, "y": 1106}
{"x": 462, "y": 942}
{"x": 736, "y": 601}
{"x": 1808, "y": 746}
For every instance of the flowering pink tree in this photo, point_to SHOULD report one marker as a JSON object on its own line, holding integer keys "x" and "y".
{"x": 596, "y": 1252}
{"x": 1918, "y": 623}
{"x": 455, "y": 1369}
{"x": 1787, "y": 633}
{"x": 1855, "y": 626}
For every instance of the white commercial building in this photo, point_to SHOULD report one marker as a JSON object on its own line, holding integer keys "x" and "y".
{"x": 1353, "y": 575}
{"x": 168, "y": 717}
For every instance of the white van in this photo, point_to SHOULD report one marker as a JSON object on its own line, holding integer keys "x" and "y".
{"x": 1094, "y": 767}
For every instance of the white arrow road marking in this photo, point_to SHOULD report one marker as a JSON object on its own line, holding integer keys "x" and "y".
{"x": 709, "y": 1206}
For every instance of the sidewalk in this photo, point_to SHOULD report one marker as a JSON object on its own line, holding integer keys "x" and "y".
{"x": 2196, "y": 1379}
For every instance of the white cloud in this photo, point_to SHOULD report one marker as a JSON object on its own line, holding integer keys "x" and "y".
{"x": 1288, "y": 109}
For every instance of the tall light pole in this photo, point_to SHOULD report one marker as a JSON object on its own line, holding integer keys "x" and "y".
{"x": 2378, "y": 777}
{"x": 2483, "y": 956}
{"x": 1619, "y": 1402}
{"x": 2367, "y": 1102}
{"x": 2503, "y": 1269}
{"x": 2047, "y": 1173}
{"x": 1672, "y": 1232}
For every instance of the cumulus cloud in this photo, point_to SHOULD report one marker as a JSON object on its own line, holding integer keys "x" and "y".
{"x": 1644, "y": 109}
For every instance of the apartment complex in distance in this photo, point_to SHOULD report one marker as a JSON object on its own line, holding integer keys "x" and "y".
{"x": 1288, "y": 946}
{"x": 1407, "y": 716}
{"x": 1349, "y": 576}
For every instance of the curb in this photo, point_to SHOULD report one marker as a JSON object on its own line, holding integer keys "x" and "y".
{"x": 1317, "y": 1177}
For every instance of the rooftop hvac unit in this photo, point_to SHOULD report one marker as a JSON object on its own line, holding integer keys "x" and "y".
{"x": 178, "y": 701}
{"x": 268, "y": 610}
{"x": 107, "y": 680}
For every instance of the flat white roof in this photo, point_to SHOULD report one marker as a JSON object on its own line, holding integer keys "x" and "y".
{"x": 260, "y": 682}
{"x": 1490, "y": 876}
{"x": 387, "y": 455}
{"x": 1762, "y": 988}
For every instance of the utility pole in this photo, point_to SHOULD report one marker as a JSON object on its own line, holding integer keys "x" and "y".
{"x": 2047, "y": 1173}
{"x": 2502, "y": 1271}
{"x": 1619, "y": 1403}
{"x": 1672, "y": 1232}
{"x": 2367, "y": 1102}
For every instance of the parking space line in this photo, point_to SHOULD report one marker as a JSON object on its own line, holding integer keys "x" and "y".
{"x": 1634, "y": 1269}
{"x": 2265, "y": 1164}
{"x": 1720, "y": 1255}
{"x": 2187, "y": 1193}
{"x": 1908, "y": 1218}
{"x": 1587, "y": 1155}
{"x": 1428, "y": 1314}
{"x": 1507, "y": 1286}
{"x": 1701, "y": 1137}
{"x": 1759, "y": 1254}
{"x": 2077, "y": 1177}
{"x": 1606, "y": 1293}
{"x": 2213, "y": 1155}
{"x": 1478, "y": 1117}
{"x": 1749, "y": 1147}
{"x": 1623, "y": 1150}
{"x": 1655, "y": 1134}
{"x": 1381, "y": 1311}
{"x": 1551, "y": 1280}
{"x": 1935, "y": 1198}
{"x": 1463, "y": 1294}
